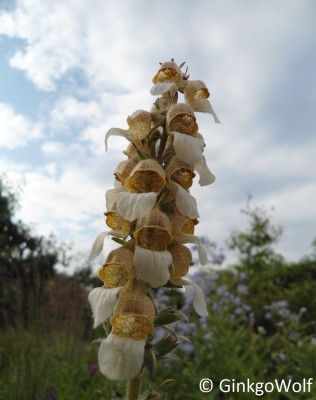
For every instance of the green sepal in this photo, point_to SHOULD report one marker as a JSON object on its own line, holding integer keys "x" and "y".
{"x": 150, "y": 360}
{"x": 117, "y": 240}
{"x": 168, "y": 316}
{"x": 165, "y": 346}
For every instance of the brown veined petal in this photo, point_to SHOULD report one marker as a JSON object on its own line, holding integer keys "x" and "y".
{"x": 181, "y": 262}
{"x": 181, "y": 118}
{"x": 118, "y": 269}
{"x": 135, "y": 302}
{"x": 147, "y": 176}
{"x": 153, "y": 231}
{"x": 139, "y": 125}
{"x": 168, "y": 72}
{"x": 180, "y": 172}
{"x": 181, "y": 223}
{"x": 116, "y": 222}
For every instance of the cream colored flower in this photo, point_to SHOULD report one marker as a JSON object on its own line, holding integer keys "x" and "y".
{"x": 118, "y": 269}
{"x": 152, "y": 259}
{"x": 124, "y": 169}
{"x": 168, "y": 78}
{"x": 140, "y": 191}
{"x": 190, "y": 149}
{"x": 147, "y": 176}
{"x": 121, "y": 354}
{"x": 139, "y": 126}
{"x": 196, "y": 95}
{"x": 118, "y": 274}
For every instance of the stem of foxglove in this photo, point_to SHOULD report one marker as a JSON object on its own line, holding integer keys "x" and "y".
{"x": 133, "y": 388}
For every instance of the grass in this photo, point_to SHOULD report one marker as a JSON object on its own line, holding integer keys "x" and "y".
{"x": 47, "y": 366}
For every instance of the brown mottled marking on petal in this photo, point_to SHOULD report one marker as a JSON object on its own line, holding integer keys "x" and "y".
{"x": 113, "y": 275}
{"x": 116, "y": 222}
{"x": 153, "y": 231}
{"x": 202, "y": 94}
{"x": 131, "y": 326}
{"x": 181, "y": 223}
{"x": 168, "y": 72}
{"x": 153, "y": 238}
{"x": 145, "y": 182}
{"x": 147, "y": 176}
{"x": 184, "y": 177}
{"x": 181, "y": 260}
{"x": 139, "y": 125}
{"x": 188, "y": 226}
{"x": 184, "y": 123}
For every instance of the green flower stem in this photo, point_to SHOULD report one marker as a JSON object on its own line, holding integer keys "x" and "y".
{"x": 133, "y": 388}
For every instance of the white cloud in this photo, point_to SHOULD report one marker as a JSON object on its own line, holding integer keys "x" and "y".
{"x": 15, "y": 129}
{"x": 240, "y": 52}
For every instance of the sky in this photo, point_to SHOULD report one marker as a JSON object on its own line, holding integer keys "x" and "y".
{"x": 70, "y": 70}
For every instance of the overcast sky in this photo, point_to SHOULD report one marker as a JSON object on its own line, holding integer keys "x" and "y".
{"x": 70, "y": 70}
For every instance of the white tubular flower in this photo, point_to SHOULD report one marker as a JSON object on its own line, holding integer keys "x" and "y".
{"x": 147, "y": 176}
{"x": 121, "y": 354}
{"x": 117, "y": 274}
{"x": 142, "y": 186}
{"x": 190, "y": 149}
{"x": 139, "y": 126}
{"x": 168, "y": 78}
{"x": 124, "y": 169}
{"x": 196, "y": 95}
{"x": 152, "y": 259}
